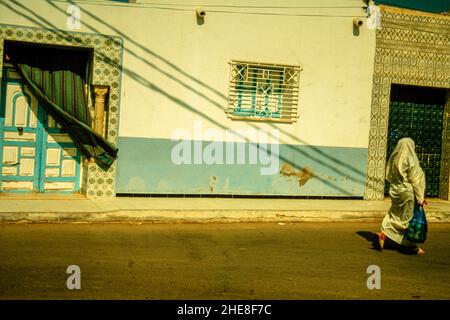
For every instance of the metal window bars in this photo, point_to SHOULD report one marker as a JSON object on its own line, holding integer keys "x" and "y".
{"x": 263, "y": 91}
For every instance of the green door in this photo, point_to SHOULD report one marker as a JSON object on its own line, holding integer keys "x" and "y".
{"x": 423, "y": 123}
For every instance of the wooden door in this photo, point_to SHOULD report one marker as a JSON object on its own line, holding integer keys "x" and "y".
{"x": 36, "y": 153}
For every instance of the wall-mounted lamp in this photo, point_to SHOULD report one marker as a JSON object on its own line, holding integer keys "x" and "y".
{"x": 201, "y": 14}
{"x": 357, "y": 22}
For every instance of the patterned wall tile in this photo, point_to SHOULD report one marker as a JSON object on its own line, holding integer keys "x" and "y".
{"x": 411, "y": 50}
{"x": 107, "y": 70}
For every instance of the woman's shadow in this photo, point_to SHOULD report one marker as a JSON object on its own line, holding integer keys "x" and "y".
{"x": 388, "y": 243}
{"x": 371, "y": 237}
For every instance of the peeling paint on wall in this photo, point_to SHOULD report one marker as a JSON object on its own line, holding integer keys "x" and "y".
{"x": 303, "y": 175}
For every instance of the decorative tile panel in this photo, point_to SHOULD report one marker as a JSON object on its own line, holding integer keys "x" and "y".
{"x": 410, "y": 50}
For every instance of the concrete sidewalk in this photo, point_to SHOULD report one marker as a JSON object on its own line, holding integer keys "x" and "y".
{"x": 136, "y": 209}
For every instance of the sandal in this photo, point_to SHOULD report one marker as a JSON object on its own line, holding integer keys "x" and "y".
{"x": 420, "y": 252}
{"x": 413, "y": 250}
{"x": 381, "y": 238}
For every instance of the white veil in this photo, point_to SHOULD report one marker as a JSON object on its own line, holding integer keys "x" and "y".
{"x": 403, "y": 167}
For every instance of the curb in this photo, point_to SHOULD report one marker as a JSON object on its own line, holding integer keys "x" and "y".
{"x": 202, "y": 216}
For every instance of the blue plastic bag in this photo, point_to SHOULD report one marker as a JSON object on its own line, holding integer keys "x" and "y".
{"x": 418, "y": 227}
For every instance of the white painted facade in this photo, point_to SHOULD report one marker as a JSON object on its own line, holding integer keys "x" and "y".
{"x": 169, "y": 57}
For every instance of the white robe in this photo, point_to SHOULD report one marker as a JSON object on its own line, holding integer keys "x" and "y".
{"x": 407, "y": 181}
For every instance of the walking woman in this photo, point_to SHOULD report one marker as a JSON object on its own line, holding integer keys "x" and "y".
{"x": 407, "y": 185}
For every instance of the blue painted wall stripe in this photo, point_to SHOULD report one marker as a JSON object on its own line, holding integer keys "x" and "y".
{"x": 144, "y": 166}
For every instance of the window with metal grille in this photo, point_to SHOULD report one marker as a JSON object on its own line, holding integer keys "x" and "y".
{"x": 263, "y": 91}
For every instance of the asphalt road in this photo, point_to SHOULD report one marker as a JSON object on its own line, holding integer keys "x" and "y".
{"x": 216, "y": 261}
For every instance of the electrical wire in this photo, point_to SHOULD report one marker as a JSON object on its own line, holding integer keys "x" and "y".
{"x": 136, "y": 6}
{"x": 250, "y": 6}
{"x": 140, "y": 2}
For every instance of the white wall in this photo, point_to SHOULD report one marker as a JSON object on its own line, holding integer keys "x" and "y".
{"x": 335, "y": 84}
